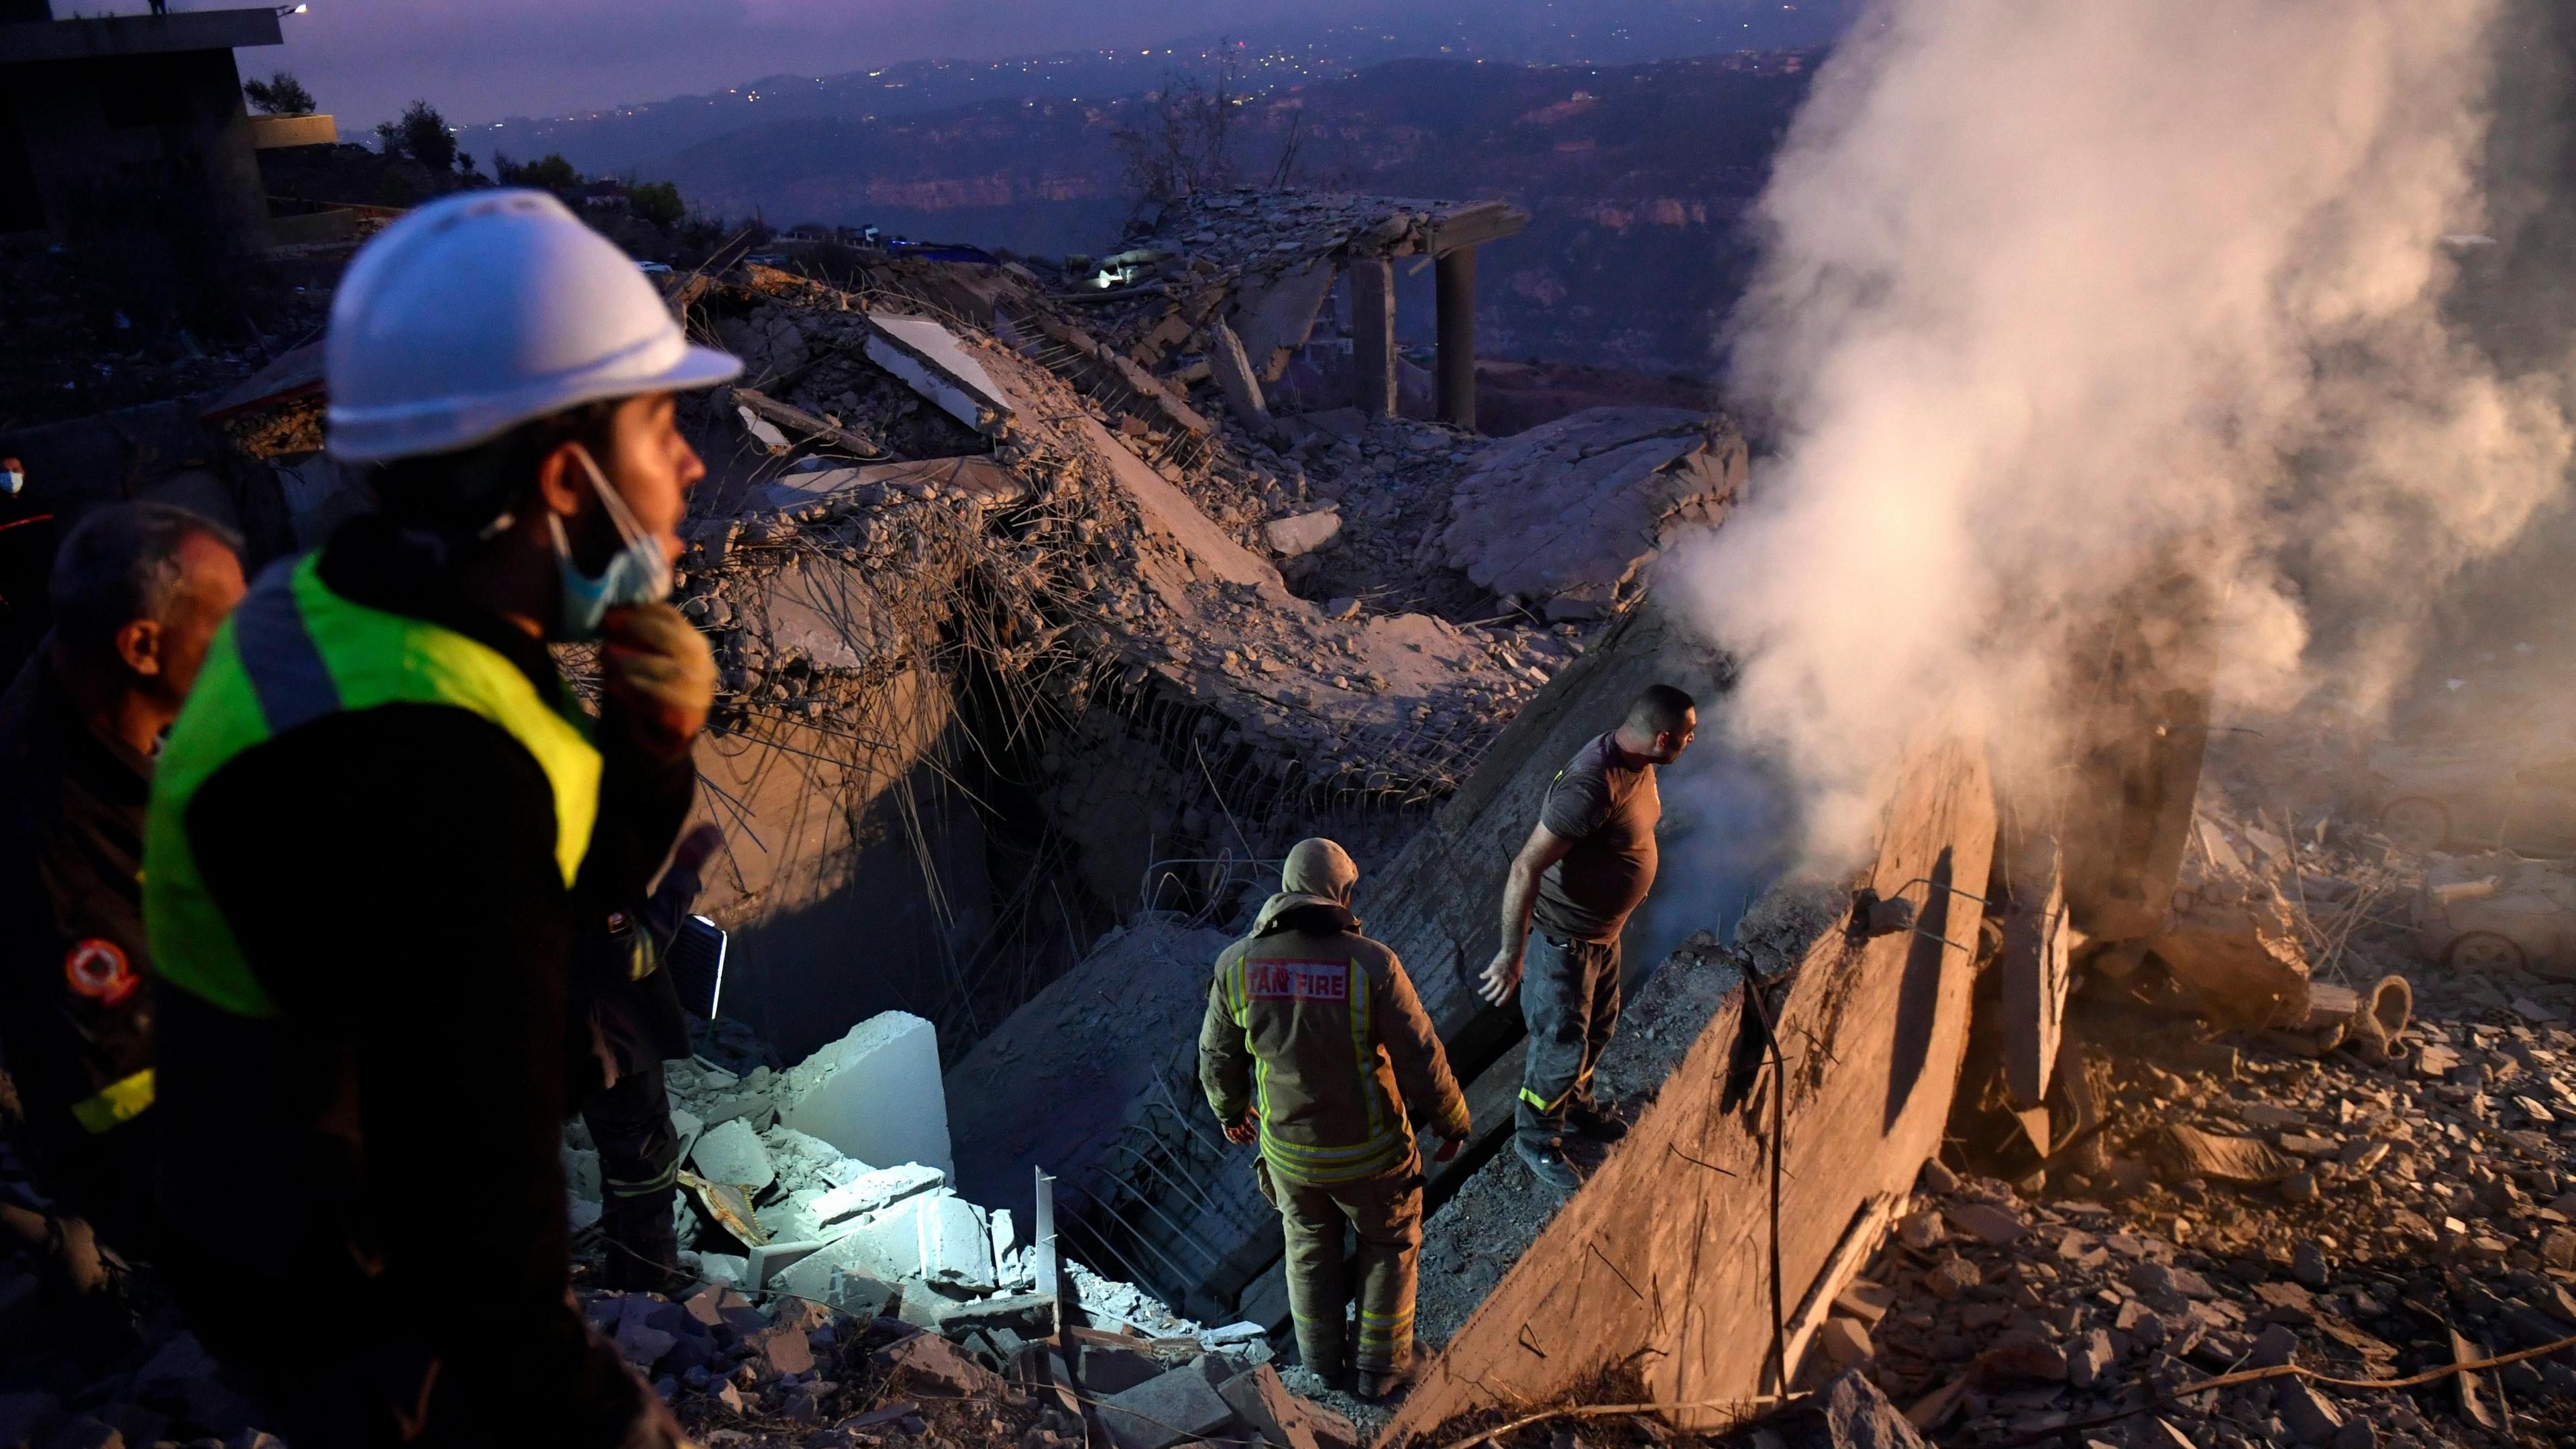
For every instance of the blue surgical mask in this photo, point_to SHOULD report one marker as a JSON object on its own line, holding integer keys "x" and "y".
{"x": 638, "y": 573}
{"x": 11, "y": 480}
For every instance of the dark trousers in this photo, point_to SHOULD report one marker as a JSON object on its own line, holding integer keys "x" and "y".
{"x": 639, "y": 1170}
{"x": 1385, "y": 1214}
{"x": 1570, "y": 1001}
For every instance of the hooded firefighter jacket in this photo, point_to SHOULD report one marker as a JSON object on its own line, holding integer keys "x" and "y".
{"x": 1317, "y": 1026}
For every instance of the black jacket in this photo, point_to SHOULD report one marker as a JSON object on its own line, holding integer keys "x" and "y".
{"x": 381, "y": 1157}
{"x": 74, "y": 1012}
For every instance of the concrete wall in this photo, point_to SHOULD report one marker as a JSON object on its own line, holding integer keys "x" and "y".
{"x": 851, "y": 875}
{"x": 165, "y": 129}
{"x": 1661, "y": 1261}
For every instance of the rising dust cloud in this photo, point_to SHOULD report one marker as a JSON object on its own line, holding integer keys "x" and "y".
{"x": 2049, "y": 289}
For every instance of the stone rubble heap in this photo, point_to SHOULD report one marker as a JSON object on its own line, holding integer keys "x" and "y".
{"x": 856, "y": 1304}
{"x": 2363, "y": 1208}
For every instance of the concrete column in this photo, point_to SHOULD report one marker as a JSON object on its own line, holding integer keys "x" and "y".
{"x": 1373, "y": 335}
{"x": 1455, "y": 275}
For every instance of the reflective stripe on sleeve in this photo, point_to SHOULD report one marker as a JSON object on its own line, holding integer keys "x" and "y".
{"x": 121, "y": 1102}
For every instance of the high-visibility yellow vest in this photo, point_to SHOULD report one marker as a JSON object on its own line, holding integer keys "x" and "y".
{"x": 292, "y": 653}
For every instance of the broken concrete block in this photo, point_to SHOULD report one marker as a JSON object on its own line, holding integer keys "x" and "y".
{"x": 708, "y": 1304}
{"x": 858, "y": 1294}
{"x": 1303, "y": 534}
{"x": 1845, "y": 1344}
{"x": 731, "y": 1152}
{"x": 2021, "y": 1357}
{"x": 1569, "y": 511}
{"x": 1165, "y": 1410}
{"x": 934, "y": 363}
{"x": 921, "y": 1305}
{"x": 941, "y": 1239}
{"x": 2239, "y": 961}
{"x": 1266, "y": 1407}
{"x": 1997, "y": 1226}
{"x": 871, "y": 1191}
{"x": 771, "y": 1259}
{"x": 1848, "y": 1413}
{"x": 2091, "y": 1359}
{"x": 929, "y": 1365}
{"x": 843, "y": 1273}
{"x": 1029, "y": 1313}
{"x": 2306, "y": 1413}
{"x": 1235, "y": 378}
{"x": 782, "y": 1348}
{"x": 1107, "y": 1369}
{"x": 875, "y": 1094}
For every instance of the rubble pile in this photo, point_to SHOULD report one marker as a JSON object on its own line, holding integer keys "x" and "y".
{"x": 2360, "y": 1203}
{"x": 872, "y": 1304}
{"x": 2344, "y": 1218}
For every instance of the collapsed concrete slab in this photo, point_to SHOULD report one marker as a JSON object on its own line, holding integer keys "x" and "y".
{"x": 925, "y": 354}
{"x": 1659, "y": 1262}
{"x": 875, "y": 1093}
{"x": 1569, "y": 514}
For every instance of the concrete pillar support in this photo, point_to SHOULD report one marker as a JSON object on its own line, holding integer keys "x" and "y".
{"x": 1455, "y": 278}
{"x": 1373, "y": 336}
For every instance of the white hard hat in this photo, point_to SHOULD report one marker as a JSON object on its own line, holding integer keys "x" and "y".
{"x": 488, "y": 309}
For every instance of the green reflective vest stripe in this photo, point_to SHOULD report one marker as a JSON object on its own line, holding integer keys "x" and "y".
{"x": 293, "y": 652}
{"x": 114, "y": 1105}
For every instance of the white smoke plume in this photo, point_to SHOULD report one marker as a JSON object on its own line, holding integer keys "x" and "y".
{"x": 2051, "y": 288}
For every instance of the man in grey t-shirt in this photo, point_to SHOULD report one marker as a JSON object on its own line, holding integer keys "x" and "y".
{"x": 1585, "y": 867}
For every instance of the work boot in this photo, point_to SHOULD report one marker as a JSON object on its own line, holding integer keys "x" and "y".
{"x": 1549, "y": 1164}
{"x": 1592, "y": 1119}
{"x": 1374, "y": 1386}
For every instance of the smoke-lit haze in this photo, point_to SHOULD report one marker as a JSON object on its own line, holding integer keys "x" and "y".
{"x": 2051, "y": 287}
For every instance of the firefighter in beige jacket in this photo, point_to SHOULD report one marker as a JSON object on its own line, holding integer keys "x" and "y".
{"x": 1315, "y": 1045}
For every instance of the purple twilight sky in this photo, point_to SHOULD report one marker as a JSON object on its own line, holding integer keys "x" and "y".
{"x": 480, "y": 60}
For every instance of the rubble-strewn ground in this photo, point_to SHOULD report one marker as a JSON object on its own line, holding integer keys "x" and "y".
{"x": 2379, "y": 1202}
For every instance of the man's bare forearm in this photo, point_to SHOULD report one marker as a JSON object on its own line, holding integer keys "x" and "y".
{"x": 1520, "y": 887}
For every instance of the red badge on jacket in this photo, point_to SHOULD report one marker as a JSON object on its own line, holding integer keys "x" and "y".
{"x": 98, "y": 970}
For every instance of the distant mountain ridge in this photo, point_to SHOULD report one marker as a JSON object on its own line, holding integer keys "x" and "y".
{"x": 1636, "y": 178}
{"x": 1616, "y": 32}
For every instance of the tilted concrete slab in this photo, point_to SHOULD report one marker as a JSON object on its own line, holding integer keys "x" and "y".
{"x": 933, "y": 362}
{"x": 875, "y": 1094}
{"x": 1277, "y": 319}
{"x": 1568, "y": 514}
{"x": 1660, "y": 1261}
{"x": 1170, "y": 512}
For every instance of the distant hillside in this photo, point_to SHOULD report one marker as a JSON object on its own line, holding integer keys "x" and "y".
{"x": 1522, "y": 32}
{"x": 1635, "y": 178}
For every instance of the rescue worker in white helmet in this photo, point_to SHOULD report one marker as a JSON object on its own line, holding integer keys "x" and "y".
{"x": 374, "y": 826}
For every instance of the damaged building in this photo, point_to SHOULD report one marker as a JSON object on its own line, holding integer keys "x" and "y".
{"x": 1049, "y": 614}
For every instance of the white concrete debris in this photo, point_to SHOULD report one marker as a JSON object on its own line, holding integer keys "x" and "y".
{"x": 874, "y": 1094}
{"x": 732, "y": 1153}
{"x": 872, "y": 1191}
{"x": 1297, "y": 536}
{"x": 931, "y": 361}
{"x": 763, "y": 431}
{"x": 1571, "y": 511}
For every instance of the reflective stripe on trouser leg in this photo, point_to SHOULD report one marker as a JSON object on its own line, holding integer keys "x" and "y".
{"x": 1388, "y": 1216}
{"x": 1318, "y": 1284}
{"x": 1557, "y": 994}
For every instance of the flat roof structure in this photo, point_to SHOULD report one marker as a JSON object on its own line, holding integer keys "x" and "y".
{"x": 114, "y": 37}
